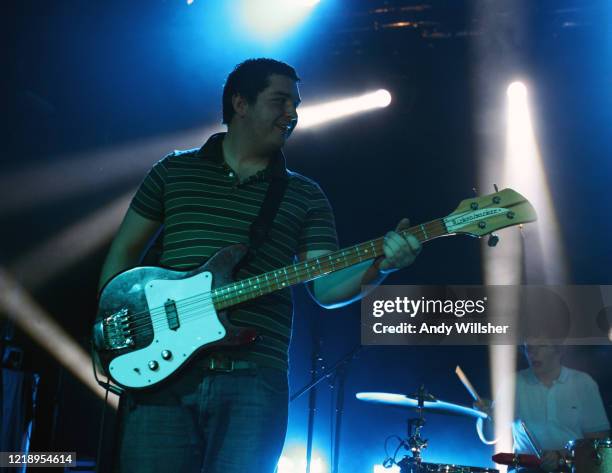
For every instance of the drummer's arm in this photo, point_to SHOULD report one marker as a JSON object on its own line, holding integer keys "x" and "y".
{"x": 595, "y": 423}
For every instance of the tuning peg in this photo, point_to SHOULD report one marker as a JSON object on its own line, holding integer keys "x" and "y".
{"x": 493, "y": 240}
{"x": 495, "y": 187}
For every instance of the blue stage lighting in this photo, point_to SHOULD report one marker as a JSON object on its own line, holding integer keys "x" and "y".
{"x": 270, "y": 19}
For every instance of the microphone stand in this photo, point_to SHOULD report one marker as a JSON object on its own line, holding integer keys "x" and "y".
{"x": 339, "y": 386}
{"x": 341, "y": 363}
{"x": 312, "y": 395}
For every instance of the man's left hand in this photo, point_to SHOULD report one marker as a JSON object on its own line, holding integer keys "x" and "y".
{"x": 399, "y": 251}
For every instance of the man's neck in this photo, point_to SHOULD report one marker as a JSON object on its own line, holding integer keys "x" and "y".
{"x": 244, "y": 158}
{"x": 548, "y": 377}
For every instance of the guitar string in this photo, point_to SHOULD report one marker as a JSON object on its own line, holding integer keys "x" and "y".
{"x": 195, "y": 313}
{"x": 237, "y": 289}
{"x": 157, "y": 318}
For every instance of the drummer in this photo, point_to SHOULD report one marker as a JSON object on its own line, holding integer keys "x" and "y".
{"x": 556, "y": 403}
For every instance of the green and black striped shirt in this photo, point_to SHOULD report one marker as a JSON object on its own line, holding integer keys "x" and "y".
{"x": 204, "y": 208}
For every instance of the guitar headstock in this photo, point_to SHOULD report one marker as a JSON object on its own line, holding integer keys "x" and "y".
{"x": 480, "y": 216}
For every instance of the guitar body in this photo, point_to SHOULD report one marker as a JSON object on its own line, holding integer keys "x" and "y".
{"x": 151, "y": 320}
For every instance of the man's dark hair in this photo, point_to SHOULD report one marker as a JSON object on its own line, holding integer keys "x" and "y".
{"x": 249, "y": 78}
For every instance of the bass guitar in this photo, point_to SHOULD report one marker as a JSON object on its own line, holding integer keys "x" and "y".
{"x": 151, "y": 321}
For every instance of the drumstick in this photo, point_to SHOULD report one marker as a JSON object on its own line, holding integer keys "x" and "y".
{"x": 466, "y": 382}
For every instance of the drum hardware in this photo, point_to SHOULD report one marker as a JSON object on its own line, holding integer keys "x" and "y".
{"x": 422, "y": 402}
{"x": 414, "y": 443}
{"x": 590, "y": 455}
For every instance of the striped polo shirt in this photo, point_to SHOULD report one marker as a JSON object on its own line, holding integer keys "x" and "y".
{"x": 204, "y": 207}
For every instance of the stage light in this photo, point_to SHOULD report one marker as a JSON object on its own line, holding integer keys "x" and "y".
{"x": 533, "y": 255}
{"x": 289, "y": 465}
{"x": 313, "y": 115}
{"x": 71, "y": 245}
{"x": 69, "y": 176}
{"x": 524, "y": 171}
{"x": 517, "y": 91}
{"x": 270, "y": 19}
{"x": 23, "y": 310}
{"x": 316, "y": 466}
{"x": 285, "y": 465}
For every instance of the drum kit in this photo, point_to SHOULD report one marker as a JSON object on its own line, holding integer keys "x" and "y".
{"x": 583, "y": 456}
{"x": 590, "y": 455}
{"x": 414, "y": 444}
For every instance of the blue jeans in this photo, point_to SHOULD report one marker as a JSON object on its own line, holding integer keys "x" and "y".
{"x": 207, "y": 422}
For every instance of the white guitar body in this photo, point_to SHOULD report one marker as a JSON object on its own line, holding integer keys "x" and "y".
{"x": 151, "y": 321}
{"x": 170, "y": 348}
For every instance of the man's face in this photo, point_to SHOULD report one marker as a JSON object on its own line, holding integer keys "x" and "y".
{"x": 542, "y": 358}
{"x": 273, "y": 115}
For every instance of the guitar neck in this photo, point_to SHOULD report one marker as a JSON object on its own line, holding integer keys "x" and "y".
{"x": 304, "y": 271}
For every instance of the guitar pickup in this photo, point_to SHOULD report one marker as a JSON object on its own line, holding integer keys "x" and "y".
{"x": 171, "y": 314}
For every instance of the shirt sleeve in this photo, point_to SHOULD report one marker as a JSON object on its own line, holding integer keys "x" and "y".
{"x": 319, "y": 229}
{"x": 594, "y": 417}
{"x": 149, "y": 198}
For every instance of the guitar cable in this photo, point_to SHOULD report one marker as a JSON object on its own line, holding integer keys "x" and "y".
{"x": 108, "y": 387}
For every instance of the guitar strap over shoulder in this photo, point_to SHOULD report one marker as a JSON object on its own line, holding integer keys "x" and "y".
{"x": 260, "y": 228}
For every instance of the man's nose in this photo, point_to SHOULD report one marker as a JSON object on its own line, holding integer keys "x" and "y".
{"x": 292, "y": 112}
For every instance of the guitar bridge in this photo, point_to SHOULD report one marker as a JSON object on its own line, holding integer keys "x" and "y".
{"x": 116, "y": 332}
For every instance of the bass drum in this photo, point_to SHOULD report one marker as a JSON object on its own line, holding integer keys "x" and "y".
{"x": 590, "y": 455}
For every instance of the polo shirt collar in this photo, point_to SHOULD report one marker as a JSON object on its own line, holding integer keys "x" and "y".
{"x": 213, "y": 149}
{"x": 563, "y": 376}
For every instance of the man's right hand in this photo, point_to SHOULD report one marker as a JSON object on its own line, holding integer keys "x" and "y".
{"x": 550, "y": 460}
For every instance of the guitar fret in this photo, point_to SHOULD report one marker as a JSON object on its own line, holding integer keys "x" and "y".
{"x": 307, "y": 270}
{"x": 256, "y": 285}
{"x": 424, "y": 232}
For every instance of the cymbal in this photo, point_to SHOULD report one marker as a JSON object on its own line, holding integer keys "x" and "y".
{"x": 402, "y": 400}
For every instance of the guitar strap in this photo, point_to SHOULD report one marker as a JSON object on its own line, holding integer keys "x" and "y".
{"x": 260, "y": 228}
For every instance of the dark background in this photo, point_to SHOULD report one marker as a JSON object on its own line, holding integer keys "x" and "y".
{"x": 87, "y": 77}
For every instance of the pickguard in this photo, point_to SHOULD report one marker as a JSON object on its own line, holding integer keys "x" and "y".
{"x": 198, "y": 325}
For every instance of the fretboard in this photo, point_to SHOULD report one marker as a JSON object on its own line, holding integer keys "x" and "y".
{"x": 304, "y": 271}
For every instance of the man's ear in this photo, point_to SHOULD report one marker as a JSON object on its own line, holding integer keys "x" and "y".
{"x": 240, "y": 104}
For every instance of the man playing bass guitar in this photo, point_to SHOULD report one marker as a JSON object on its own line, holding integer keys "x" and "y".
{"x": 226, "y": 411}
